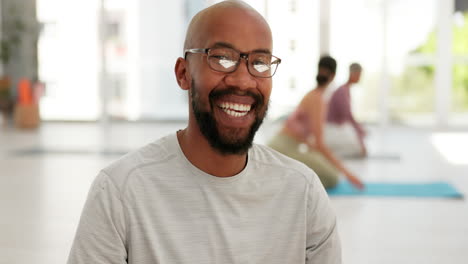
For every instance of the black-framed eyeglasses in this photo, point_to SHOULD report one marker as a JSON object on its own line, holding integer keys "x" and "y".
{"x": 260, "y": 64}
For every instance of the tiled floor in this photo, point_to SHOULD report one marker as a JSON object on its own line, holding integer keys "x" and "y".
{"x": 45, "y": 175}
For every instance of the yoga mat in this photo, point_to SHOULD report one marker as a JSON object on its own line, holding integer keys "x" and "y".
{"x": 376, "y": 157}
{"x": 419, "y": 190}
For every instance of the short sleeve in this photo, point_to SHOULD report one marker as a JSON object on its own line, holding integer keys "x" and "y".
{"x": 101, "y": 235}
{"x": 323, "y": 243}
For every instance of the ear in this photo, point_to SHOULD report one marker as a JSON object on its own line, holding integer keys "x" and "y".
{"x": 181, "y": 74}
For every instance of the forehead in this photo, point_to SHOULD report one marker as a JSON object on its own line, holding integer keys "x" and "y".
{"x": 245, "y": 30}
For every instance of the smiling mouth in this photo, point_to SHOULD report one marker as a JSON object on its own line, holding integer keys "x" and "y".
{"x": 234, "y": 109}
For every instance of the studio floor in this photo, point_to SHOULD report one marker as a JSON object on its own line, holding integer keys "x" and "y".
{"x": 45, "y": 175}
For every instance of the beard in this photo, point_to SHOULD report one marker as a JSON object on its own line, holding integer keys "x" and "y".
{"x": 233, "y": 141}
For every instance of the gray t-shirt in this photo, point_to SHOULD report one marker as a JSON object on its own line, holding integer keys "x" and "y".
{"x": 153, "y": 206}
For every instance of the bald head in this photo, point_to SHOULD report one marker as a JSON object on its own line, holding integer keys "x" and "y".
{"x": 355, "y": 70}
{"x": 208, "y": 20}
{"x": 355, "y": 67}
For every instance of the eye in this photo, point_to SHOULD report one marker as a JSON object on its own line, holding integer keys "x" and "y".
{"x": 225, "y": 58}
{"x": 260, "y": 66}
{"x": 220, "y": 57}
{"x": 226, "y": 63}
{"x": 261, "y": 62}
{"x": 222, "y": 54}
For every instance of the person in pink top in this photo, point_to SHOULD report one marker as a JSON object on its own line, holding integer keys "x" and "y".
{"x": 343, "y": 134}
{"x": 302, "y": 137}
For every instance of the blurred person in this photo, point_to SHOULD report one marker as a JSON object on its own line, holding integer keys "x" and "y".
{"x": 302, "y": 138}
{"x": 207, "y": 194}
{"x": 343, "y": 134}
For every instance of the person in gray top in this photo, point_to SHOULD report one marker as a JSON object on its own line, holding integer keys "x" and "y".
{"x": 206, "y": 194}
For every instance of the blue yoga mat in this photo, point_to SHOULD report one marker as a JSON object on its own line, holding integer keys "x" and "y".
{"x": 422, "y": 190}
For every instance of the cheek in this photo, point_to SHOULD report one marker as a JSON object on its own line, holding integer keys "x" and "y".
{"x": 202, "y": 85}
{"x": 207, "y": 82}
{"x": 265, "y": 87}
{"x": 200, "y": 71}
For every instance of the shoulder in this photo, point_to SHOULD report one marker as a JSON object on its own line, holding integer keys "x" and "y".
{"x": 335, "y": 92}
{"x": 340, "y": 91}
{"x": 159, "y": 153}
{"x": 312, "y": 101}
{"x": 317, "y": 97}
{"x": 270, "y": 161}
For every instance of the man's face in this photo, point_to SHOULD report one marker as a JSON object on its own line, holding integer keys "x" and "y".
{"x": 227, "y": 140}
{"x": 229, "y": 107}
{"x": 355, "y": 76}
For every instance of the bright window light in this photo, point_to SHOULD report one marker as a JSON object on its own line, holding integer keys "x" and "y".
{"x": 452, "y": 146}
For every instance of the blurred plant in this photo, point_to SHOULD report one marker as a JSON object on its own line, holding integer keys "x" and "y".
{"x": 460, "y": 71}
{"x": 416, "y": 82}
{"x": 415, "y": 88}
{"x": 12, "y": 29}
{"x": 6, "y": 102}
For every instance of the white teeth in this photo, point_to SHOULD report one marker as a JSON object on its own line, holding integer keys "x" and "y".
{"x": 236, "y": 110}
{"x": 234, "y": 113}
{"x": 235, "y": 107}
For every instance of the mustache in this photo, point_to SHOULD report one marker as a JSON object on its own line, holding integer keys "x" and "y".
{"x": 215, "y": 94}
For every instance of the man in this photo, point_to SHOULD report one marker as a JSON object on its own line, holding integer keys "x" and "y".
{"x": 205, "y": 194}
{"x": 343, "y": 134}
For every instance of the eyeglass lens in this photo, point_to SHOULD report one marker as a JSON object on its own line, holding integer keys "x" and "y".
{"x": 260, "y": 64}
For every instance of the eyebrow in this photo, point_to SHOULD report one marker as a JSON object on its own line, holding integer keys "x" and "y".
{"x": 227, "y": 45}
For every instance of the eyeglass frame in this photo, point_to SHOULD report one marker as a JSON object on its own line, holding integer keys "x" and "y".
{"x": 241, "y": 56}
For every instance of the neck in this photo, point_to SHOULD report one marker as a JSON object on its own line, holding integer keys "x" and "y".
{"x": 200, "y": 153}
{"x": 322, "y": 87}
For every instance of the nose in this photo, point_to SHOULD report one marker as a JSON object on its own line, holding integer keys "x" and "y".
{"x": 241, "y": 77}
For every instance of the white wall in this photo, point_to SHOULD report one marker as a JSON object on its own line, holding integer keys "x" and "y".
{"x": 68, "y": 53}
{"x": 160, "y": 43}
{"x": 294, "y": 23}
